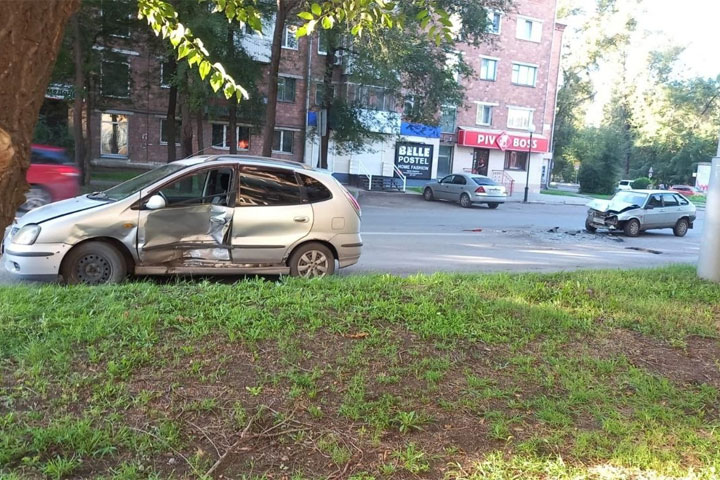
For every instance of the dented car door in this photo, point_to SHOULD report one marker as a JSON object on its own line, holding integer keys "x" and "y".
{"x": 192, "y": 224}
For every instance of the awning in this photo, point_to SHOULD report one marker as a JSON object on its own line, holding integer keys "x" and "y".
{"x": 500, "y": 140}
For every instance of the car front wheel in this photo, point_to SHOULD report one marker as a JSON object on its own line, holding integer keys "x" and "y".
{"x": 428, "y": 194}
{"x": 632, "y": 228}
{"x": 312, "y": 260}
{"x": 94, "y": 263}
{"x": 589, "y": 227}
{"x": 681, "y": 227}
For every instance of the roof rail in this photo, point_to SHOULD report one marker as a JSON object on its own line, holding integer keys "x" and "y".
{"x": 269, "y": 160}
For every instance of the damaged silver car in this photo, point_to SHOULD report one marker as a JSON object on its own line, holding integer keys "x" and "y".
{"x": 634, "y": 211}
{"x": 203, "y": 215}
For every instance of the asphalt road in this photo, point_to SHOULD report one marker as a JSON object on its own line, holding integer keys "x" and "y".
{"x": 403, "y": 234}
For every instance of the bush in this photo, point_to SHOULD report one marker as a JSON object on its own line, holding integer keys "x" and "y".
{"x": 641, "y": 183}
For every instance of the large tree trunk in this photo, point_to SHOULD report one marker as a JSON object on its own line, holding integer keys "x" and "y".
{"x": 89, "y": 103}
{"x": 30, "y": 35}
{"x": 186, "y": 120}
{"x": 272, "y": 79}
{"x": 232, "y": 107}
{"x": 80, "y": 158}
{"x": 200, "y": 133}
{"x": 170, "y": 132}
{"x": 327, "y": 98}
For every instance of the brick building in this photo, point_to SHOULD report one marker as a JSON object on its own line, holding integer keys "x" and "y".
{"x": 513, "y": 89}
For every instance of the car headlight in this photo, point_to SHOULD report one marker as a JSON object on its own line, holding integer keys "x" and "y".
{"x": 26, "y": 235}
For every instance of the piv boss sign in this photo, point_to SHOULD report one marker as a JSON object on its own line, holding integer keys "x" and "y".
{"x": 414, "y": 160}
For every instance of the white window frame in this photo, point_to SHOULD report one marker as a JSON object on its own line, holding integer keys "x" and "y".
{"x": 285, "y": 78}
{"x": 492, "y": 59}
{"x": 491, "y": 16}
{"x": 535, "y": 29}
{"x": 225, "y": 126}
{"x": 115, "y": 112}
{"x": 162, "y": 68}
{"x": 127, "y": 63}
{"x": 130, "y": 17}
{"x": 530, "y": 112}
{"x": 289, "y": 40}
{"x": 177, "y": 144}
{"x": 455, "y": 117}
{"x": 282, "y": 138}
{"x": 523, "y": 65}
{"x": 480, "y": 108}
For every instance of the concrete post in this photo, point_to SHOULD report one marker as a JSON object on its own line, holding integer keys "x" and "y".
{"x": 709, "y": 260}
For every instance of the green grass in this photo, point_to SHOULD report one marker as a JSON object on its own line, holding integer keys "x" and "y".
{"x": 698, "y": 200}
{"x": 573, "y": 194}
{"x": 603, "y": 374}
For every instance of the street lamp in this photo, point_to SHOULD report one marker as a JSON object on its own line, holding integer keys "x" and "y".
{"x": 531, "y": 129}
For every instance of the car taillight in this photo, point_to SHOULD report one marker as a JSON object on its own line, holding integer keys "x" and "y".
{"x": 353, "y": 202}
{"x": 68, "y": 171}
{"x": 480, "y": 190}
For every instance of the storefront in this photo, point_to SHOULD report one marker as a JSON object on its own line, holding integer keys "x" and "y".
{"x": 503, "y": 156}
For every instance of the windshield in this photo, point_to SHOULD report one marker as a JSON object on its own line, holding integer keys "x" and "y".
{"x": 483, "y": 181}
{"x": 125, "y": 189}
{"x": 623, "y": 199}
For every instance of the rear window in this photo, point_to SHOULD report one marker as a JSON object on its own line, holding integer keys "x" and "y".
{"x": 483, "y": 181}
{"x": 49, "y": 158}
{"x": 314, "y": 189}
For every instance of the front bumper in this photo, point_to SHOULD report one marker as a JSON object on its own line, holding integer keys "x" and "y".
{"x": 39, "y": 259}
{"x": 601, "y": 220}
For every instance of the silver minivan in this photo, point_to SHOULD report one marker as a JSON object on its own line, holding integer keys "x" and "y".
{"x": 206, "y": 215}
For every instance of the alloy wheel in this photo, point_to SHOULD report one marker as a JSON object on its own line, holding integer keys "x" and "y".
{"x": 313, "y": 264}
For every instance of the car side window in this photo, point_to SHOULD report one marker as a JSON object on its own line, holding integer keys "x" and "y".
{"x": 207, "y": 186}
{"x": 459, "y": 180}
{"x": 315, "y": 191}
{"x": 670, "y": 200}
{"x": 268, "y": 187}
{"x": 448, "y": 179}
{"x": 655, "y": 201}
{"x": 681, "y": 200}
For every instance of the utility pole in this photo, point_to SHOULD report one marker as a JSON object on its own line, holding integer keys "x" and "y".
{"x": 531, "y": 129}
{"x": 709, "y": 259}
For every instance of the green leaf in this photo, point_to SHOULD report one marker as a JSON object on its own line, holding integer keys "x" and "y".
{"x": 306, "y": 15}
{"x": 216, "y": 81}
{"x": 422, "y": 14}
{"x": 327, "y": 23}
{"x": 204, "y": 69}
{"x": 301, "y": 31}
{"x": 229, "y": 90}
{"x": 184, "y": 50}
{"x": 356, "y": 30}
{"x": 316, "y": 9}
{"x": 196, "y": 57}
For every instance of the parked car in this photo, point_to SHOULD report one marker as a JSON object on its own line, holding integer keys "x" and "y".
{"x": 634, "y": 211}
{"x": 624, "y": 185}
{"x": 203, "y": 215}
{"x": 686, "y": 190}
{"x": 467, "y": 189}
{"x": 52, "y": 177}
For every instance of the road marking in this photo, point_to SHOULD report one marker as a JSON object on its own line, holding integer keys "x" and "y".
{"x": 425, "y": 234}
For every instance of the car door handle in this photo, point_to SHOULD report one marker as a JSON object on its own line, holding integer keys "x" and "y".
{"x": 301, "y": 219}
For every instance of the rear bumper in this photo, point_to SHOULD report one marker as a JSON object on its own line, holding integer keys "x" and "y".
{"x": 348, "y": 247}
{"x": 483, "y": 198}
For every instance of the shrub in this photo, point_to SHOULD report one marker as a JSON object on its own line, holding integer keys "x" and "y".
{"x": 641, "y": 183}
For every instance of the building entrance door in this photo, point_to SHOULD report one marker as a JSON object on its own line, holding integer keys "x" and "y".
{"x": 444, "y": 161}
{"x": 481, "y": 158}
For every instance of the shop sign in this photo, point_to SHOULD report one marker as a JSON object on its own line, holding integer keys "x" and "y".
{"x": 501, "y": 141}
{"x": 414, "y": 160}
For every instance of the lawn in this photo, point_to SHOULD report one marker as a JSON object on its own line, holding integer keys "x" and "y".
{"x": 573, "y": 194}
{"x": 603, "y": 374}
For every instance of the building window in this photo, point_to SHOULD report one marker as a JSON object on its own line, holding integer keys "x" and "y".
{"x": 320, "y": 93}
{"x": 515, "y": 160}
{"x": 286, "y": 89}
{"x": 116, "y": 17}
{"x": 409, "y": 106}
{"x": 289, "y": 39}
{"x": 484, "y": 114}
{"x": 221, "y": 136}
{"x": 524, "y": 74}
{"x": 528, "y": 29}
{"x": 114, "y": 135}
{"x": 322, "y": 42}
{"x": 520, "y": 118}
{"x": 163, "y": 131}
{"x": 373, "y": 98}
{"x": 488, "y": 69}
{"x": 114, "y": 76}
{"x": 166, "y": 75}
{"x": 494, "y": 22}
{"x": 283, "y": 141}
{"x": 448, "y": 116}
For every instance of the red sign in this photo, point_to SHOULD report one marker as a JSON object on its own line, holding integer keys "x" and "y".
{"x": 501, "y": 141}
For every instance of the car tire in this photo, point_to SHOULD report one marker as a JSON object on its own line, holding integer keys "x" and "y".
{"x": 632, "y": 228}
{"x": 465, "y": 201}
{"x": 36, "y": 197}
{"x": 94, "y": 263}
{"x": 589, "y": 227}
{"x": 493, "y": 205}
{"x": 312, "y": 260}
{"x": 681, "y": 227}
{"x": 428, "y": 194}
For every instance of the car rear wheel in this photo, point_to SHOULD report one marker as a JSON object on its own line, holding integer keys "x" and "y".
{"x": 37, "y": 196}
{"x": 465, "y": 201}
{"x": 589, "y": 227}
{"x": 428, "y": 194}
{"x": 493, "y": 205}
{"x": 312, "y": 260}
{"x": 681, "y": 227}
{"x": 94, "y": 263}
{"x": 632, "y": 228}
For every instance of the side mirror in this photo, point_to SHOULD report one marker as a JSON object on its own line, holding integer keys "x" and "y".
{"x": 155, "y": 202}
{"x": 649, "y": 207}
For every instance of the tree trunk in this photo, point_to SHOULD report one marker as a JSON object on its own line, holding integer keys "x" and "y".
{"x": 78, "y": 100}
{"x": 327, "y": 99}
{"x": 200, "y": 133}
{"x": 272, "y": 79}
{"x": 170, "y": 131}
{"x": 30, "y": 35}
{"x": 186, "y": 120}
{"x": 88, "y": 127}
{"x": 232, "y": 107}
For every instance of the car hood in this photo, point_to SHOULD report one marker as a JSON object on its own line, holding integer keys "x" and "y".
{"x": 613, "y": 206}
{"x": 60, "y": 209}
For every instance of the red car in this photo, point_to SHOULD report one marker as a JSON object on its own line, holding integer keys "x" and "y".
{"x": 52, "y": 176}
{"x": 686, "y": 190}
